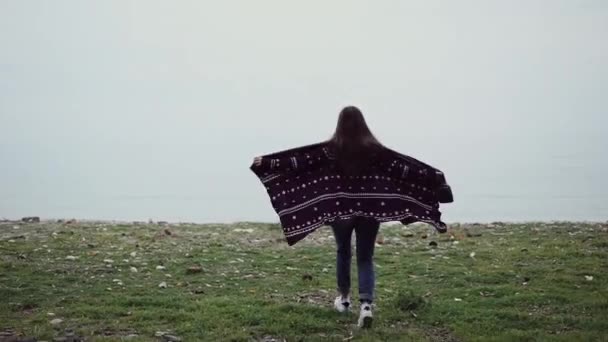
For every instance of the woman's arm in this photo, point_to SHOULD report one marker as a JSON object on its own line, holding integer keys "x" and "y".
{"x": 292, "y": 160}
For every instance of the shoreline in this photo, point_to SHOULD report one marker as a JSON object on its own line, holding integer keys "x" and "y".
{"x": 36, "y": 219}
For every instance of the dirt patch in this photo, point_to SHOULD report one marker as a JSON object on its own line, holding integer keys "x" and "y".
{"x": 440, "y": 334}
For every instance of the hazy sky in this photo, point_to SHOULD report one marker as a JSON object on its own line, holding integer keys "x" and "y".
{"x": 154, "y": 109}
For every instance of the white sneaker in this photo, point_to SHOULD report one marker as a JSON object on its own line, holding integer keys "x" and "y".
{"x": 342, "y": 304}
{"x": 365, "y": 316}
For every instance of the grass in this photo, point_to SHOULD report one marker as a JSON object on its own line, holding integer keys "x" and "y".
{"x": 524, "y": 282}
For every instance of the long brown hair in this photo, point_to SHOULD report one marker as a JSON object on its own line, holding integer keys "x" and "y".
{"x": 353, "y": 142}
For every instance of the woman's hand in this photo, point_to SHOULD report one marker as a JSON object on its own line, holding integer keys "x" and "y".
{"x": 257, "y": 161}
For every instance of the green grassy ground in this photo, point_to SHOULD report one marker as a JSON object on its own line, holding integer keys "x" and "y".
{"x": 514, "y": 282}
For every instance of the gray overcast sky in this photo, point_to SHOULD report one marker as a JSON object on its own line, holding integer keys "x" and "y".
{"x": 154, "y": 109}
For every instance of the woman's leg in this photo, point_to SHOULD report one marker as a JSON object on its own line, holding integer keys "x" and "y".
{"x": 366, "y": 231}
{"x": 343, "y": 231}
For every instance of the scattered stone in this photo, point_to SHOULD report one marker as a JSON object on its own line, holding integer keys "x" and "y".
{"x": 160, "y": 268}
{"x": 472, "y": 255}
{"x": 31, "y": 219}
{"x": 56, "y": 321}
{"x": 588, "y": 278}
{"x": 133, "y": 269}
{"x": 469, "y": 233}
{"x": 194, "y": 270}
{"x": 241, "y": 230}
{"x": 171, "y": 338}
{"x": 108, "y": 261}
{"x": 163, "y": 285}
{"x": 325, "y": 270}
{"x": 133, "y": 254}
{"x": 71, "y": 257}
{"x": 458, "y": 299}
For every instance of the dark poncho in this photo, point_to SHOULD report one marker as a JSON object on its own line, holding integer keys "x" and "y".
{"x": 307, "y": 190}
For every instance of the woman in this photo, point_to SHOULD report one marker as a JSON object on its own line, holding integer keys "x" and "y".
{"x": 352, "y": 183}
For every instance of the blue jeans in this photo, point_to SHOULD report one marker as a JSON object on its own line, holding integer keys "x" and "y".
{"x": 366, "y": 230}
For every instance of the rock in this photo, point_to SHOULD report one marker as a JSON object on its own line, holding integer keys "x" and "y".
{"x": 171, "y": 338}
{"x": 71, "y": 257}
{"x": 163, "y": 285}
{"x": 307, "y": 277}
{"x": 108, "y": 261}
{"x": 246, "y": 230}
{"x": 424, "y": 236}
{"x": 469, "y": 233}
{"x": 27, "y": 339}
{"x": 133, "y": 269}
{"x": 472, "y": 255}
{"x": 133, "y": 254}
{"x": 91, "y": 245}
{"x": 56, "y": 321}
{"x": 7, "y": 332}
{"x": 160, "y": 268}
{"x": 194, "y": 270}
{"x": 325, "y": 270}
{"x": 588, "y": 278}
{"x": 160, "y": 333}
{"x": 433, "y": 244}
{"x": 31, "y": 219}
{"x": 458, "y": 299}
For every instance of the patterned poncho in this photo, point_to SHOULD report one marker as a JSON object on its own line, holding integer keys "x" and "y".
{"x": 307, "y": 190}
